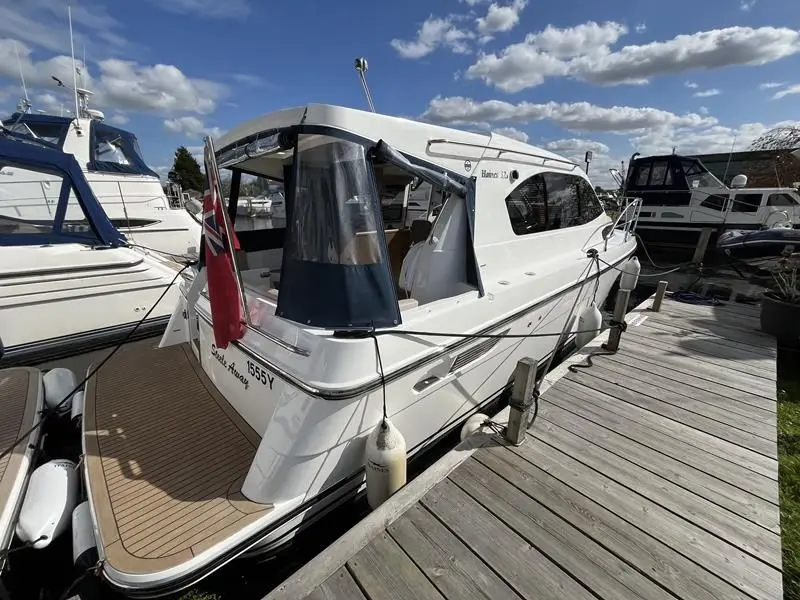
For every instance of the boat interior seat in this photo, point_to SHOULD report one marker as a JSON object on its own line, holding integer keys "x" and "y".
{"x": 420, "y": 231}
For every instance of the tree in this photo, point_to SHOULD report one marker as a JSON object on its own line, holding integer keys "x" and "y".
{"x": 778, "y": 138}
{"x": 188, "y": 170}
{"x": 783, "y": 168}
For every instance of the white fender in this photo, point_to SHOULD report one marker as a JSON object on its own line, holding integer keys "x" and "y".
{"x": 84, "y": 545}
{"x": 589, "y": 324}
{"x": 58, "y": 383}
{"x": 630, "y": 274}
{"x": 473, "y": 424}
{"x": 49, "y": 502}
{"x": 76, "y": 412}
{"x": 384, "y": 462}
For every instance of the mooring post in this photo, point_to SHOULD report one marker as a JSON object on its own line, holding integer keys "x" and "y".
{"x": 521, "y": 400}
{"x": 620, "y": 309}
{"x": 659, "y": 297}
{"x": 702, "y": 245}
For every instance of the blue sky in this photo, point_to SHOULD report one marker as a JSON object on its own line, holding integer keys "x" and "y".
{"x": 614, "y": 77}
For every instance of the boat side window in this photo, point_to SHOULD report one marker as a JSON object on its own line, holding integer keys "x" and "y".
{"x": 527, "y": 206}
{"x": 714, "y": 201}
{"x": 659, "y": 173}
{"x": 781, "y": 199}
{"x": 746, "y": 203}
{"x": 53, "y": 133}
{"x": 571, "y": 201}
{"x": 38, "y": 199}
{"x": 116, "y": 150}
{"x": 642, "y": 174}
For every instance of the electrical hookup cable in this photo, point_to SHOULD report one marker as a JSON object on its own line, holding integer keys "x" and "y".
{"x": 46, "y": 413}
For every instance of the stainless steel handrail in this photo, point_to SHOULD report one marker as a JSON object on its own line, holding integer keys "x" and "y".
{"x": 501, "y": 151}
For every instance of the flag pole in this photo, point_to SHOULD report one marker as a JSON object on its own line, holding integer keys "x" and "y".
{"x": 212, "y": 174}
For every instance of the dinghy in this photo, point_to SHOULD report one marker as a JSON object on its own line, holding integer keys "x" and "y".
{"x": 291, "y": 345}
{"x": 70, "y": 284}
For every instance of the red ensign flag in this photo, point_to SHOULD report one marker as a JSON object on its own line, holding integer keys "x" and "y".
{"x": 226, "y": 307}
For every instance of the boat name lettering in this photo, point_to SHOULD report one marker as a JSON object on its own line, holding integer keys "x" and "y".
{"x": 260, "y": 374}
{"x": 494, "y": 174}
{"x": 231, "y": 367}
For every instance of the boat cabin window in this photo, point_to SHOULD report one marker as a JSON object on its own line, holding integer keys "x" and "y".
{"x": 642, "y": 174}
{"x": 54, "y": 133}
{"x": 747, "y": 203}
{"x": 781, "y": 199}
{"x": 714, "y": 201}
{"x": 552, "y": 200}
{"x": 43, "y": 207}
{"x": 117, "y": 151}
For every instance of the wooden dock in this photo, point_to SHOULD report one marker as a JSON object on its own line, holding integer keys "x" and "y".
{"x": 651, "y": 474}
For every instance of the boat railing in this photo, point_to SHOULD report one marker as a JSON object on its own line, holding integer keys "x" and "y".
{"x": 560, "y": 163}
{"x": 626, "y": 220}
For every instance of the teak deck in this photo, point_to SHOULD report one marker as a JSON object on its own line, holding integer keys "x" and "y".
{"x": 167, "y": 456}
{"x": 20, "y": 390}
{"x": 651, "y": 474}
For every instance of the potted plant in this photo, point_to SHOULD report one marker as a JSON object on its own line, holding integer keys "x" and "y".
{"x": 780, "y": 305}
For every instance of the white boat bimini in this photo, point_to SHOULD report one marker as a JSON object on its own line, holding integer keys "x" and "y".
{"x": 195, "y": 453}
{"x": 69, "y": 284}
{"x": 129, "y": 191}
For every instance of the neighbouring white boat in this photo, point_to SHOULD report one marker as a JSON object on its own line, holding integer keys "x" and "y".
{"x": 681, "y": 197}
{"x": 195, "y": 454}
{"x": 129, "y": 191}
{"x": 70, "y": 284}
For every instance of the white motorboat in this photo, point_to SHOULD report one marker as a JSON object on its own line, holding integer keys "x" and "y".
{"x": 680, "y": 198}
{"x": 205, "y": 448}
{"x": 70, "y": 284}
{"x": 129, "y": 191}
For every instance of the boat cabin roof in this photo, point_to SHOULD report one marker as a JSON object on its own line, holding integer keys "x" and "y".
{"x": 450, "y": 149}
{"x": 78, "y": 216}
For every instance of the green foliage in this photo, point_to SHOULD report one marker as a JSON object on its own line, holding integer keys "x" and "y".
{"x": 188, "y": 170}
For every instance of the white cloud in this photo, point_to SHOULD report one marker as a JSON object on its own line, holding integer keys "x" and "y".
{"x": 746, "y": 5}
{"x": 640, "y": 28}
{"x": 584, "y": 53}
{"x": 435, "y": 32}
{"x": 702, "y": 50}
{"x": 473, "y": 2}
{"x": 702, "y": 110}
{"x": 691, "y": 85}
{"x": 122, "y": 85}
{"x": 787, "y": 91}
{"x": 247, "y": 79}
{"x": 717, "y": 138}
{"x": 575, "y": 116}
{"x": 573, "y": 145}
{"x": 768, "y": 85}
{"x": 707, "y": 93}
{"x": 513, "y": 133}
{"x": 191, "y": 127}
{"x": 118, "y": 119}
{"x": 500, "y": 18}
{"x": 213, "y": 9}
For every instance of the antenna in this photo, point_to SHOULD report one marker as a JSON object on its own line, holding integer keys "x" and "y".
{"x": 74, "y": 72}
{"x": 27, "y": 103}
{"x": 730, "y": 155}
{"x": 361, "y": 68}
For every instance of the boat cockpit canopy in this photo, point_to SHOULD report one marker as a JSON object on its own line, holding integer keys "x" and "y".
{"x": 668, "y": 180}
{"x": 332, "y": 262}
{"x": 111, "y": 150}
{"x": 53, "y": 203}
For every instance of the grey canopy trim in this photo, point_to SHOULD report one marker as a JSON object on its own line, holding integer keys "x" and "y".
{"x": 385, "y": 153}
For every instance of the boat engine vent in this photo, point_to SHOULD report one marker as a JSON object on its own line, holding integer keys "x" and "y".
{"x": 475, "y": 352}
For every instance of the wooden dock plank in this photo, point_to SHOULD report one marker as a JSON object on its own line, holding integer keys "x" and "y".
{"x": 600, "y": 413}
{"x": 600, "y": 570}
{"x": 339, "y": 585}
{"x": 519, "y": 563}
{"x": 736, "y": 500}
{"x": 447, "y": 562}
{"x": 758, "y": 463}
{"x": 668, "y": 567}
{"x": 697, "y": 420}
{"x": 651, "y": 473}
{"x": 384, "y": 571}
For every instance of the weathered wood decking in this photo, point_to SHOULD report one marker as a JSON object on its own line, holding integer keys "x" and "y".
{"x": 651, "y": 474}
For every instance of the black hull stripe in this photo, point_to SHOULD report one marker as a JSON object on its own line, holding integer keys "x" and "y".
{"x": 80, "y": 343}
